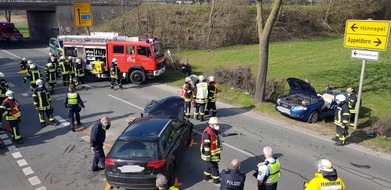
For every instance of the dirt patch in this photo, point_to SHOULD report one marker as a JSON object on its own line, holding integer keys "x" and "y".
{"x": 17, "y": 19}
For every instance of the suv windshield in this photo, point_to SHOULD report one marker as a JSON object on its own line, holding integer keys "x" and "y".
{"x": 158, "y": 50}
{"x": 134, "y": 149}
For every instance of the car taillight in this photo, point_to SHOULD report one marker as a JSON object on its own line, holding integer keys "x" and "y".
{"x": 156, "y": 163}
{"x": 109, "y": 162}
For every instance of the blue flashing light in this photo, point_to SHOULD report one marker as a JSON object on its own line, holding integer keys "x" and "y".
{"x": 147, "y": 41}
{"x": 155, "y": 39}
{"x": 3, "y": 23}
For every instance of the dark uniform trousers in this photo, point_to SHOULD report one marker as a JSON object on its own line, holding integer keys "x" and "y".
{"x": 212, "y": 171}
{"x": 268, "y": 186}
{"x": 14, "y": 124}
{"x": 99, "y": 156}
{"x": 199, "y": 110}
{"x": 232, "y": 180}
{"x": 74, "y": 110}
{"x": 211, "y": 106}
{"x": 187, "y": 107}
{"x": 49, "y": 115}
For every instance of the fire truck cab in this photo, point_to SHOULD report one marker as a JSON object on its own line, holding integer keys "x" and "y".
{"x": 138, "y": 59}
{"x": 9, "y": 32}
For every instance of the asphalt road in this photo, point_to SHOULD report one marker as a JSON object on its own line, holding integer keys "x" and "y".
{"x": 56, "y": 158}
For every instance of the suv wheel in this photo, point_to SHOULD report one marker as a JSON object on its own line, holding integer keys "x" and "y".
{"x": 137, "y": 77}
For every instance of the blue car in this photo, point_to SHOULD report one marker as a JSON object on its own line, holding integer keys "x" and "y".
{"x": 304, "y": 103}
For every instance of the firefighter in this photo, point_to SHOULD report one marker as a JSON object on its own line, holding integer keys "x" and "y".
{"x": 80, "y": 73}
{"x": 187, "y": 95}
{"x": 3, "y": 89}
{"x": 115, "y": 74}
{"x": 201, "y": 98}
{"x": 50, "y": 57}
{"x": 73, "y": 104}
{"x": 64, "y": 70}
{"x": 211, "y": 151}
{"x": 341, "y": 119}
{"x": 71, "y": 65}
{"x": 212, "y": 96}
{"x": 42, "y": 103}
{"x": 33, "y": 75}
{"x": 23, "y": 64}
{"x": 51, "y": 76}
{"x": 352, "y": 100}
{"x": 54, "y": 61}
{"x": 268, "y": 171}
{"x": 29, "y": 62}
{"x": 325, "y": 178}
{"x": 11, "y": 109}
{"x": 186, "y": 69}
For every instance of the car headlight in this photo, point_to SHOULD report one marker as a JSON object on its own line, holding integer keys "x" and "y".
{"x": 278, "y": 101}
{"x": 300, "y": 108}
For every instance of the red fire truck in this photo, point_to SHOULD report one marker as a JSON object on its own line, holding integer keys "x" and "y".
{"x": 9, "y": 32}
{"x": 138, "y": 59}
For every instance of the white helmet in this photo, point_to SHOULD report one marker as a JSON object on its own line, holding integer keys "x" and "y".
{"x": 213, "y": 120}
{"x": 325, "y": 165}
{"x": 78, "y": 61}
{"x": 114, "y": 60}
{"x": 187, "y": 79}
{"x": 1, "y": 75}
{"x": 69, "y": 57}
{"x": 49, "y": 64}
{"x": 23, "y": 59}
{"x": 39, "y": 82}
{"x": 349, "y": 90}
{"x": 32, "y": 66}
{"x": 9, "y": 93}
{"x": 50, "y": 54}
{"x": 340, "y": 98}
{"x": 52, "y": 58}
{"x": 211, "y": 78}
{"x": 62, "y": 57}
{"x": 29, "y": 62}
{"x": 201, "y": 78}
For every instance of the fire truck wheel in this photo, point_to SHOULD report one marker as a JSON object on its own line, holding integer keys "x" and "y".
{"x": 137, "y": 77}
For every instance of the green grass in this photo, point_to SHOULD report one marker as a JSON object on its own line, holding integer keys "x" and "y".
{"x": 23, "y": 30}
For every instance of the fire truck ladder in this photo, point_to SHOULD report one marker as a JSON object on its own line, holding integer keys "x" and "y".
{"x": 97, "y": 37}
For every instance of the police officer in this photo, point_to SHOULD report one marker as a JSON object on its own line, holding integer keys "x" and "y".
{"x": 352, "y": 100}
{"x": 3, "y": 89}
{"x": 23, "y": 64}
{"x": 201, "y": 98}
{"x": 341, "y": 119}
{"x": 115, "y": 74}
{"x": 187, "y": 95}
{"x": 268, "y": 171}
{"x": 64, "y": 66}
{"x": 80, "y": 73}
{"x": 211, "y": 151}
{"x": 73, "y": 104}
{"x": 232, "y": 178}
{"x": 212, "y": 97}
{"x": 11, "y": 109}
{"x": 51, "y": 76}
{"x": 98, "y": 136}
{"x": 325, "y": 178}
{"x": 43, "y": 103}
{"x": 33, "y": 75}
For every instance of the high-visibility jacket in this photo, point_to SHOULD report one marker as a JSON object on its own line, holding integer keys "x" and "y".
{"x": 79, "y": 70}
{"x": 352, "y": 102}
{"x": 201, "y": 93}
{"x": 10, "y": 108}
{"x": 274, "y": 172}
{"x": 319, "y": 182}
{"x": 64, "y": 67}
{"x": 41, "y": 98}
{"x": 33, "y": 76}
{"x": 3, "y": 88}
{"x": 23, "y": 64}
{"x": 71, "y": 66}
{"x": 51, "y": 74}
{"x": 114, "y": 71}
{"x": 210, "y": 145}
{"x": 212, "y": 91}
{"x": 187, "y": 92}
{"x": 72, "y": 98}
{"x": 342, "y": 115}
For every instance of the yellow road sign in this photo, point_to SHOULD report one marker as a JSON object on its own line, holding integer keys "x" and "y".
{"x": 367, "y": 34}
{"x": 82, "y": 12}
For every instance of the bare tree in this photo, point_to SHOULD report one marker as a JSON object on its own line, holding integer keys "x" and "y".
{"x": 7, "y": 15}
{"x": 264, "y": 36}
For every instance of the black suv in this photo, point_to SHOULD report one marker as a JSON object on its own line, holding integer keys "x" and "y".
{"x": 149, "y": 145}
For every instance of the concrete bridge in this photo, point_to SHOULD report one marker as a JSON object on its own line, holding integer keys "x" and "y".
{"x": 43, "y": 15}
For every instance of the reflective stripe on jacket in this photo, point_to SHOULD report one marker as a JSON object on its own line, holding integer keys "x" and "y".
{"x": 72, "y": 98}
{"x": 10, "y": 108}
{"x": 210, "y": 145}
{"x": 212, "y": 91}
{"x": 274, "y": 172}
{"x": 187, "y": 92}
{"x": 342, "y": 115}
{"x": 352, "y": 102}
{"x": 41, "y": 98}
{"x": 321, "y": 183}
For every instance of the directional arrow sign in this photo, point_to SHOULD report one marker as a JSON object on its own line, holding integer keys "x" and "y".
{"x": 82, "y": 11}
{"x": 365, "y": 54}
{"x": 367, "y": 34}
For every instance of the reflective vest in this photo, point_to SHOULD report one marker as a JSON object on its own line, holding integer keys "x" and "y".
{"x": 34, "y": 76}
{"x": 51, "y": 74}
{"x": 352, "y": 102}
{"x": 212, "y": 91}
{"x": 3, "y": 88}
{"x": 321, "y": 183}
{"x": 187, "y": 92}
{"x": 41, "y": 98}
{"x": 342, "y": 115}
{"x": 64, "y": 67}
{"x": 12, "y": 112}
{"x": 214, "y": 150}
{"x": 201, "y": 93}
{"x": 274, "y": 172}
{"x": 114, "y": 72}
{"x": 79, "y": 70}
{"x": 72, "y": 98}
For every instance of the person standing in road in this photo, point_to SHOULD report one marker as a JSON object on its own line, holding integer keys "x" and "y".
{"x": 341, "y": 119}
{"x": 187, "y": 95}
{"x": 80, "y": 73}
{"x": 201, "y": 98}
{"x": 352, "y": 100}
{"x": 33, "y": 75}
{"x": 43, "y": 103}
{"x": 115, "y": 74}
{"x": 11, "y": 109}
{"x": 98, "y": 137}
{"x": 211, "y": 151}
{"x": 232, "y": 178}
{"x": 162, "y": 183}
{"x": 268, "y": 171}
{"x": 51, "y": 76}
{"x": 23, "y": 64}
{"x": 325, "y": 178}
{"x": 71, "y": 65}
{"x": 212, "y": 96}
{"x": 74, "y": 104}
{"x": 3, "y": 89}
{"x": 64, "y": 67}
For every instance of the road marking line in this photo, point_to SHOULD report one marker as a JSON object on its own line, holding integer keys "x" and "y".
{"x": 22, "y": 162}
{"x": 25, "y": 95}
{"x": 16, "y": 155}
{"x": 7, "y": 142}
{"x": 27, "y": 171}
{"x": 61, "y": 120}
{"x": 4, "y": 136}
{"x": 10, "y": 84}
{"x": 126, "y": 102}
{"x": 11, "y": 54}
{"x": 34, "y": 180}
{"x": 86, "y": 138}
{"x": 12, "y": 148}
{"x": 41, "y": 188}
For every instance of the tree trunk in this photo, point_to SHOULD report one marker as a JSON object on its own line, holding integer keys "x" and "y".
{"x": 210, "y": 24}
{"x": 8, "y": 15}
{"x": 264, "y": 35}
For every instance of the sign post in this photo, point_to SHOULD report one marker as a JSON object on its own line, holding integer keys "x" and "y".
{"x": 367, "y": 35}
{"x": 82, "y": 12}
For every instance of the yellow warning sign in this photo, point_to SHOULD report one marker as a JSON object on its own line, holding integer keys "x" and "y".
{"x": 82, "y": 12}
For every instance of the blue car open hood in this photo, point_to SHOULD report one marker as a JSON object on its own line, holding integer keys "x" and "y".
{"x": 300, "y": 86}
{"x": 171, "y": 107}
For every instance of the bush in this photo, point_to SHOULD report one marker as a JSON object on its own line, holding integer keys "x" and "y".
{"x": 383, "y": 126}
